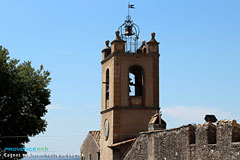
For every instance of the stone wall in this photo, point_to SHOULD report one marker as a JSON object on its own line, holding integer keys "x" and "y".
{"x": 90, "y": 148}
{"x": 191, "y": 142}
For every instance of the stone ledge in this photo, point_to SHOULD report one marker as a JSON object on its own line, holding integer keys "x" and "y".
{"x": 129, "y": 107}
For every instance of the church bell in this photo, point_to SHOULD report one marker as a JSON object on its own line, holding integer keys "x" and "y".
{"x": 128, "y": 31}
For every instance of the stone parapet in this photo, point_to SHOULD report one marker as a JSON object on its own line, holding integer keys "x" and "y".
{"x": 190, "y": 142}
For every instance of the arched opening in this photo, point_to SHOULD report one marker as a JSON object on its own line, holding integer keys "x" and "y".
{"x": 131, "y": 84}
{"x": 136, "y": 86}
{"x": 107, "y": 84}
{"x": 136, "y": 81}
{"x": 107, "y": 88}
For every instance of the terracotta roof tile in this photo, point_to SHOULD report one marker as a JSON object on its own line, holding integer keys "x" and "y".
{"x": 123, "y": 142}
{"x": 96, "y": 135}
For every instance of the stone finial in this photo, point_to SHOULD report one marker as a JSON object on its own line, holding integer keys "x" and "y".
{"x": 153, "y": 40}
{"x": 107, "y": 43}
{"x": 153, "y": 34}
{"x": 107, "y": 50}
{"x": 117, "y": 35}
{"x": 142, "y": 48}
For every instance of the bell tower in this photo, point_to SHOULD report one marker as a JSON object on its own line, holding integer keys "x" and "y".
{"x": 130, "y": 88}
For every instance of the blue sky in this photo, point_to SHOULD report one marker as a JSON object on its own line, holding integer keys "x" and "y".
{"x": 199, "y": 62}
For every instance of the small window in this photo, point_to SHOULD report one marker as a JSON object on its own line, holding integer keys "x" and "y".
{"x": 98, "y": 155}
{"x": 82, "y": 157}
{"x": 89, "y": 156}
{"x": 107, "y": 84}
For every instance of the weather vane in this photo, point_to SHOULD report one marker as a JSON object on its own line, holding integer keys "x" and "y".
{"x": 129, "y": 32}
{"x": 130, "y": 6}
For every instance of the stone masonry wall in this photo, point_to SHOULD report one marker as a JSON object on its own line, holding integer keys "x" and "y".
{"x": 191, "y": 142}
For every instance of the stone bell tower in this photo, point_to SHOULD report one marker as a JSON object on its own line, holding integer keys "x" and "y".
{"x": 130, "y": 88}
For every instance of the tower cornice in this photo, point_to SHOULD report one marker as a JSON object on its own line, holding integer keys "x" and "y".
{"x": 128, "y": 54}
{"x": 130, "y": 107}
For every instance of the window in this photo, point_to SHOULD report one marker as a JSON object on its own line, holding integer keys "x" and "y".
{"x": 136, "y": 81}
{"x": 131, "y": 84}
{"x": 107, "y": 84}
{"x": 89, "y": 156}
{"x": 82, "y": 157}
{"x": 98, "y": 155}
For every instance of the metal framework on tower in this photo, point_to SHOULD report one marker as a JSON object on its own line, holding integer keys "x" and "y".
{"x": 129, "y": 32}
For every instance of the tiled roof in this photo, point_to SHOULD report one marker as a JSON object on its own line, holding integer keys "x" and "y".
{"x": 96, "y": 135}
{"x": 123, "y": 142}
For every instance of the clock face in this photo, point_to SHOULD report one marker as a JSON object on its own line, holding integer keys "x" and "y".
{"x": 153, "y": 48}
{"x": 106, "y": 129}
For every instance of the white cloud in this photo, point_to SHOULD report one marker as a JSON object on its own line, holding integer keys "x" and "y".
{"x": 195, "y": 114}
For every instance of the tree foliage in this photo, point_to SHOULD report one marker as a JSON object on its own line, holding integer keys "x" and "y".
{"x": 23, "y": 99}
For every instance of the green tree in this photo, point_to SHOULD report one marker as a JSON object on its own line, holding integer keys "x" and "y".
{"x": 23, "y": 99}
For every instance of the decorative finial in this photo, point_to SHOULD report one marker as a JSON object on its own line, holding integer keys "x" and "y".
{"x": 153, "y": 35}
{"x": 107, "y": 43}
{"x": 143, "y": 43}
{"x": 117, "y": 35}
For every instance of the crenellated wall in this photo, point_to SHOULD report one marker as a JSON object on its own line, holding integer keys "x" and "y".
{"x": 191, "y": 142}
